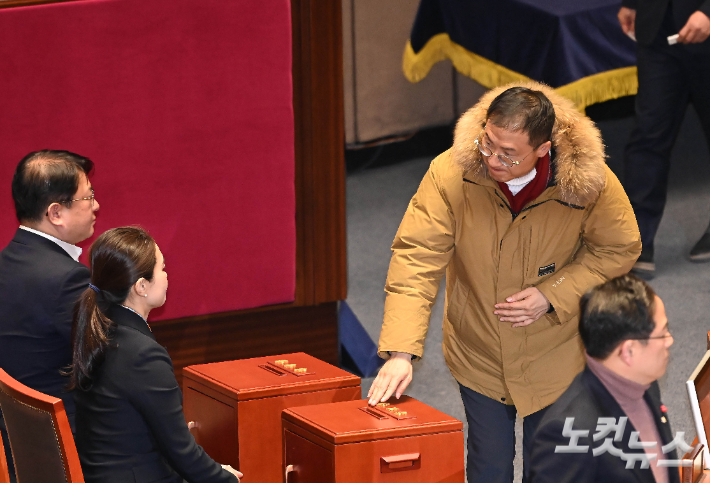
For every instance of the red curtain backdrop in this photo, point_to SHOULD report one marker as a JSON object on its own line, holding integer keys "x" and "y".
{"x": 186, "y": 108}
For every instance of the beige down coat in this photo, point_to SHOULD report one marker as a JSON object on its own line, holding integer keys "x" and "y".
{"x": 459, "y": 222}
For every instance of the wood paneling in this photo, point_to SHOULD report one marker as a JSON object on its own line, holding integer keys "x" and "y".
{"x": 254, "y": 333}
{"x": 320, "y": 165}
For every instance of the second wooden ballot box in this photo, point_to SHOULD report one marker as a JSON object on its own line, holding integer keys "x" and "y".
{"x": 234, "y": 408}
{"x": 349, "y": 442}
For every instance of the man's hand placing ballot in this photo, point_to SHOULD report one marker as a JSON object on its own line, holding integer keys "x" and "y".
{"x": 393, "y": 378}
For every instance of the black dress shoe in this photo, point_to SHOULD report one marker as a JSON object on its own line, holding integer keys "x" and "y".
{"x": 701, "y": 250}
{"x": 644, "y": 267}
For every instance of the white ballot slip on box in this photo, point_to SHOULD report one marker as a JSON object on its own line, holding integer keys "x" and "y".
{"x": 698, "y": 386}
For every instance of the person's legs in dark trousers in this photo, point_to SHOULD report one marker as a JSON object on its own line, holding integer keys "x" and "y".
{"x": 491, "y": 438}
{"x": 660, "y": 106}
{"x": 530, "y": 423}
{"x": 697, "y": 69}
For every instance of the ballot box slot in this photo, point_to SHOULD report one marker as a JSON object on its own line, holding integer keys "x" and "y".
{"x": 403, "y": 462}
{"x": 273, "y": 370}
{"x": 373, "y": 413}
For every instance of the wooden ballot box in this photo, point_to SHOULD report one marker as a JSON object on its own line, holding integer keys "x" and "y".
{"x": 234, "y": 408}
{"x": 349, "y": 442}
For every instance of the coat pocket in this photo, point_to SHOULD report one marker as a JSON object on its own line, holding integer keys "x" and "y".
{"x": 553, "y": 318}
{"x": 457, "y": 305}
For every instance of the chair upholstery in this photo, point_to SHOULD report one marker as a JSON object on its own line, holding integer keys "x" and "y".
{"x": 42, "y": 444}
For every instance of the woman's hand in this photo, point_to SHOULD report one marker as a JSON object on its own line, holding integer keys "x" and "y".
{"x": 232, "y": 471}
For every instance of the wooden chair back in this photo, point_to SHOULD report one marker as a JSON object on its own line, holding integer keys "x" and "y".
{"x": 42, "y": 444}
{"x": 4, "y": 472}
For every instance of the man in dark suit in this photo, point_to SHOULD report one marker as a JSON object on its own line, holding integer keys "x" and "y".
{"x": 624, "y": 329}
{"x": 669, "y": 76}
{"x": 40, "y": 274}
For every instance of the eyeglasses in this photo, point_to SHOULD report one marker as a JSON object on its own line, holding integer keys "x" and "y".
{"x": 505, "y": 160}
{"x": 93, "y": 195}
{"x": 664, "y": 336}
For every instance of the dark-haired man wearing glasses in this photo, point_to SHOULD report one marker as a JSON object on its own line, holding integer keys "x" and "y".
{"x": 40, "y": 274}
{"x": 524, "y": 217}
{"x": 610, "y": 426}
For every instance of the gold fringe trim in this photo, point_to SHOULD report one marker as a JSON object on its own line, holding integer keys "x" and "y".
{"x": 440, "y": 47}
{"x": 584, "y": 92}
{"x": 601, "y": 87}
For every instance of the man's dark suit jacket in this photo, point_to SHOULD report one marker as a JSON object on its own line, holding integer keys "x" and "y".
{"x": 650, "y": 15}
{"x": 130, "y": 424}
{"x": 39, "y": 283}
{"x": 587, "y": 400}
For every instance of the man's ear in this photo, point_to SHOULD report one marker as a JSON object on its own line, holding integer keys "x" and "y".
{"x": 543, "y": 149}
{"x": 54, "y": 214}
{"x": 626, "y": 352}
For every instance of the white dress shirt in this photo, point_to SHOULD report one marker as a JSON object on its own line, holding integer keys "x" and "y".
{"x": 517, "y": 184}
{"x": 73, "y": 250}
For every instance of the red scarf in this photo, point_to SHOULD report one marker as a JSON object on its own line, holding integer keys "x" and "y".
{"x": 531, "y": 190}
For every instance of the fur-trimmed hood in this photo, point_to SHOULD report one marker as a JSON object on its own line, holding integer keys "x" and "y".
{"x": 577, "y": 144}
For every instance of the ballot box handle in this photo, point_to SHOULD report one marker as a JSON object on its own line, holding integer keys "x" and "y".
{"x": 402, "y": 462}
{"x": 289, "y": 469}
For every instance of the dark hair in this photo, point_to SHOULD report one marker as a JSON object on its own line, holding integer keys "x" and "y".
{"x": 615, "y": 311}
{"x": 119, "y": 258}
{"x": 46, "y": 177}
{"x": 526, "y": 110}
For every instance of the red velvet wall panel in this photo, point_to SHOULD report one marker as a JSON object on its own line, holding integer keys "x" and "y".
{"x": 186, "y": 108}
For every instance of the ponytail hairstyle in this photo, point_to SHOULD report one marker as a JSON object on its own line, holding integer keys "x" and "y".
{"x": 118, "y": 258}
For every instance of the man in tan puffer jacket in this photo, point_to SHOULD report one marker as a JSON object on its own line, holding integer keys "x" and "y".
{"x": 524, "y": 217}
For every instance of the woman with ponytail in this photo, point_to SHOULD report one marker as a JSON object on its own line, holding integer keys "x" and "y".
{"x": 130, "y": 425}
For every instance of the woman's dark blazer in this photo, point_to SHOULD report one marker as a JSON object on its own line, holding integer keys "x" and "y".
{"x": 130, "y": 424}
